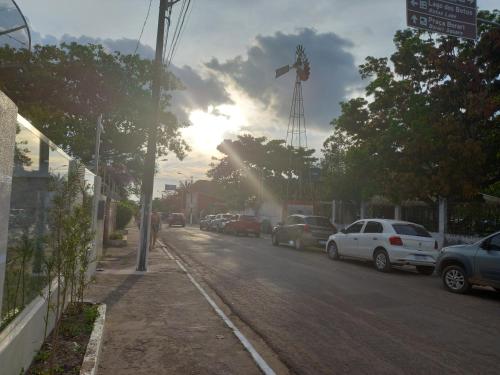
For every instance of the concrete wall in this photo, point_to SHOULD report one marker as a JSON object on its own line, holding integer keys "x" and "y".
{"x": 8, "y": 116}
{"x": 24, "y": 336}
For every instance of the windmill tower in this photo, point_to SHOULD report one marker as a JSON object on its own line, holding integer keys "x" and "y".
{"x": 296, "y": 135}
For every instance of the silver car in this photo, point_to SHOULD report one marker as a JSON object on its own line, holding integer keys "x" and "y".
{"x": 462, "y": 266}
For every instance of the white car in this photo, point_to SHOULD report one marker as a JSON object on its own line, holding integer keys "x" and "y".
{"x": 386, "y": 243}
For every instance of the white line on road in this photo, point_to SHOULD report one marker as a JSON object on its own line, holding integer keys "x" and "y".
{"x": 266, "y": 369}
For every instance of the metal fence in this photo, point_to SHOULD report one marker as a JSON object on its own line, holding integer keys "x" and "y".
{"x": 475, "y": 218}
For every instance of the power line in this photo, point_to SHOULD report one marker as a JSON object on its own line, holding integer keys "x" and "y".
{"x": 169, "y": 20}
{"x": 181, "y": 32}
{"x": 177, "y": 24}
{"x": 143, "y": 26}
{"x": 178, "y": 30}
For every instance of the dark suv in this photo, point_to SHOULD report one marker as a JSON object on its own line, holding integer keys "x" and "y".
{"x": 462, "y": 266}
{"x": 301, "y": 231}
{"x": 177, "y": 219}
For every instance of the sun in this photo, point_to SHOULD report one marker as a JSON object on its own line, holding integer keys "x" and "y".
{"x": 209, "y": 128}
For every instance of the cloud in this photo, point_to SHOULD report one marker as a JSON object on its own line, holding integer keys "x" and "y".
{"x": 333, "y": 73}
{"x": 198, "y": 93}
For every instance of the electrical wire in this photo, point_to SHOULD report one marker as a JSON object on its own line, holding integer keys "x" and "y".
{"x": 178, "y": 30}
{"x": 169, "y": 19}
{"x": 177, "y": 24}
{"x": 143, "y": 27}
{"x": 181, "y": 33}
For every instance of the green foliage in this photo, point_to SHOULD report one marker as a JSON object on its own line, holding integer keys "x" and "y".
{"x": 91, "y": 313}
{"x": 125, "y": 210}
{"x": 116, "y": 236}
{"x": 254, "y": 169}
{"x": 429, "y": 125}
{"x": 63, "y": 89}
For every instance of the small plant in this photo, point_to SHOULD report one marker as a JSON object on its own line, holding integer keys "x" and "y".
{"x": 116, "y": 236}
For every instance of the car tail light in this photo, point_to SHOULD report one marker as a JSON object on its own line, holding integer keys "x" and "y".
{"x": 307, "y": 228}
{"x": 396, "y": 241}
{"x": 435, "y": 245}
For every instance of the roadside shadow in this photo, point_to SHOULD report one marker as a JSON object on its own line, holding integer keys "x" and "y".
{"x": 484, "y": 293}
{"x": 407, "y": 271}
{"x": 115, "y": 295}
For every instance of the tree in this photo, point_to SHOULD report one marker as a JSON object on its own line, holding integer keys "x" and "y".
{"x": 63, "y": 89}
{"x": 252, "y": 170}
{"x": 429, "y": 124}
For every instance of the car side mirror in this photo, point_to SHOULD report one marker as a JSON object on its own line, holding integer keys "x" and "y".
{"x": 343, "y": 231}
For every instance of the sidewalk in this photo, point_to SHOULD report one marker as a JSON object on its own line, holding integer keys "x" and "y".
{"x": 158, "y": 322}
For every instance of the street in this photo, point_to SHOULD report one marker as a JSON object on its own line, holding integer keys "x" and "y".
{"x": 329, "y": 317}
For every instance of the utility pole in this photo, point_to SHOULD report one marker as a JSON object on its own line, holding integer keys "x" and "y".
{"x": 149, "y": 163}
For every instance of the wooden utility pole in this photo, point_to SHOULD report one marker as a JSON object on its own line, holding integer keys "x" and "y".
{"x": 149, "y": 163}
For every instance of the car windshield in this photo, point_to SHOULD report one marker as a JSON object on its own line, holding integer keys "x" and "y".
{"x": 227, "y": 216}
{"x": 318, "y": 221}
{"x": 410, "y": 230}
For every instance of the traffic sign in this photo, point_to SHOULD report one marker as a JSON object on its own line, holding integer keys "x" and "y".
{"x": 452, "y": 17}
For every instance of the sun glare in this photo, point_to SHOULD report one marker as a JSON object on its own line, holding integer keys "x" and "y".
{"x": 209, "y": 128}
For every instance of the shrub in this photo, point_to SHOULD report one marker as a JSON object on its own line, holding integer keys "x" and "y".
{"x": 124, "y": 212}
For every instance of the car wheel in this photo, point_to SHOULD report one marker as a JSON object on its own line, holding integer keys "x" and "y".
{"x": 425, "y": 270}
{"x": 381, "y": 261}
{"x": 297, "y": 243}
{"x": 333, "y": 251}
{"x": 455, "y": 279}
{"x": 274, "y": 240}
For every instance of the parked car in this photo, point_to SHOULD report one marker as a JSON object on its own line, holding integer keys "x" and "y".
{"x": 243, "y": 224}
{"x": 302, "y": 231}
{"x": 216, "y": 223}
{"x": 205, "y": 222}
{"x": 221, "y": 222}
{"x": 387, "y": 243}
{"x": 177, "y": 219}
{"x": 462, "y": 266}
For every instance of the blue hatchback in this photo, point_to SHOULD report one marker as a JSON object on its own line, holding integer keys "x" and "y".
{"x": 462, "y": 266}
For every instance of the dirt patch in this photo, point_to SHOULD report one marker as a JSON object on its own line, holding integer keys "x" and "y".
{"x": 76, "y": 327}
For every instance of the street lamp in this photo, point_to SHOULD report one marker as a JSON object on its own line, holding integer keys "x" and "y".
{"x": 190, "y": 198}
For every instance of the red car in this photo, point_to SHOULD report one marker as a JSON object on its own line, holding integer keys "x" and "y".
{"x": 243, "y": 224}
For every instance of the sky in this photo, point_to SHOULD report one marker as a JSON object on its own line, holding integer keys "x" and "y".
{"x": 227, "y": 56}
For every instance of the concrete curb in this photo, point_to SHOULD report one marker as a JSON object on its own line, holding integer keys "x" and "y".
{"x": 92, "y": 354}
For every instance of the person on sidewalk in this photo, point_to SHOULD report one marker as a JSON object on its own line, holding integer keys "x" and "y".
{"x": 155, "y": 227}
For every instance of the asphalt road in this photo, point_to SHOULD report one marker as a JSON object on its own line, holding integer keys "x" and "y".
{"x": 343, "y": 317}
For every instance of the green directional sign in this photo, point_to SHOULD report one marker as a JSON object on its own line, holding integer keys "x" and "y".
{"x": 451, "y": 17}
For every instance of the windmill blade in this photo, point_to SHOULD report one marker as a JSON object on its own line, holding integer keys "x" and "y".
{"x": 283, "y": 70}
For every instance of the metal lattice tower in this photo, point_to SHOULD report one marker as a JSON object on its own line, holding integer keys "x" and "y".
{"x": 296, "y": 134}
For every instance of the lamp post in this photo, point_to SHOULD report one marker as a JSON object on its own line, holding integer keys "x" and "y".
{"x": 190, "y": 198}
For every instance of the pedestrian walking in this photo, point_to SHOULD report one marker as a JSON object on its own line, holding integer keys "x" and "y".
{"x": 155, "y": 227}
